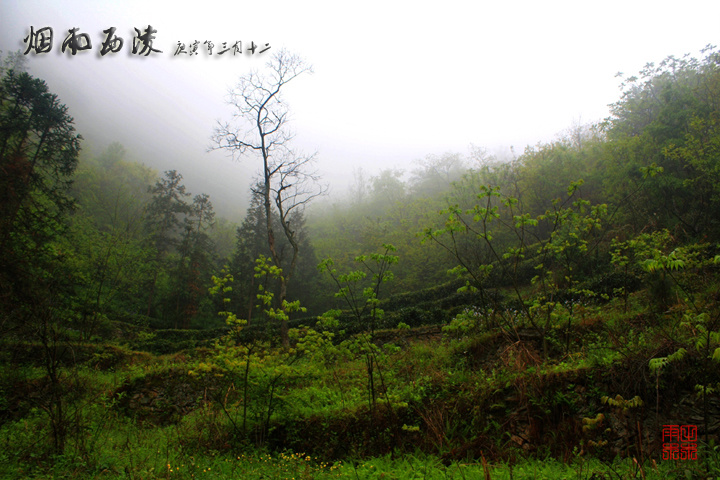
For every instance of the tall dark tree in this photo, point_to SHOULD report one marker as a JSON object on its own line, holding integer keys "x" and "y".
{"x": 165, "y": 218}
{"x": 38, "y": 156}
{"x": 252, "y": 242}
{"x": 196, "y": 258}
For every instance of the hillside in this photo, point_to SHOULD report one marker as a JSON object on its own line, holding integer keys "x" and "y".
{"x": 553, "y": 315}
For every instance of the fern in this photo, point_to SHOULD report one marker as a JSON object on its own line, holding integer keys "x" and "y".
{"x": 657, "y": 364}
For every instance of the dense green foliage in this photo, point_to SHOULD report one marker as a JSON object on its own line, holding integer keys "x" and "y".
{"x": 540, "y": 316}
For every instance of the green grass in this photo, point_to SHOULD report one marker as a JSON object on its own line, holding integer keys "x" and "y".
{"x": 458, "y": 399}
{"x": 298, "y": 466}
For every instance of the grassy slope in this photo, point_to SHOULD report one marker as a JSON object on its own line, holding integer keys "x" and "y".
{"x": 446, "y": 406}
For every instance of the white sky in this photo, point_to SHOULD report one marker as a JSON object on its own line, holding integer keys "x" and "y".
{"x": 393, "y": 82}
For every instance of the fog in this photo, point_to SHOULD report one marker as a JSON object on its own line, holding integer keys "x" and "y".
{"x": 393, "y": 82}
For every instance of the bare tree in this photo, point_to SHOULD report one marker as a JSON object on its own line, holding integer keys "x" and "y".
{"x": 259, "y": 127}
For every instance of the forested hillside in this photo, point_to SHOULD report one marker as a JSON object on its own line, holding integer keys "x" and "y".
{"x": 544, "y": 315}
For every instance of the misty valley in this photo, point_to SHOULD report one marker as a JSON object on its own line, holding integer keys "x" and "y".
{"x": 554, "y": 313}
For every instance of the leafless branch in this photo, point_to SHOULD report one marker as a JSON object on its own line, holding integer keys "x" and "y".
{"x": 260, "y": 126}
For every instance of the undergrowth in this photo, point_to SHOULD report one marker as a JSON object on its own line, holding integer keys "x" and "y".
{"x": 469, "y": 403}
